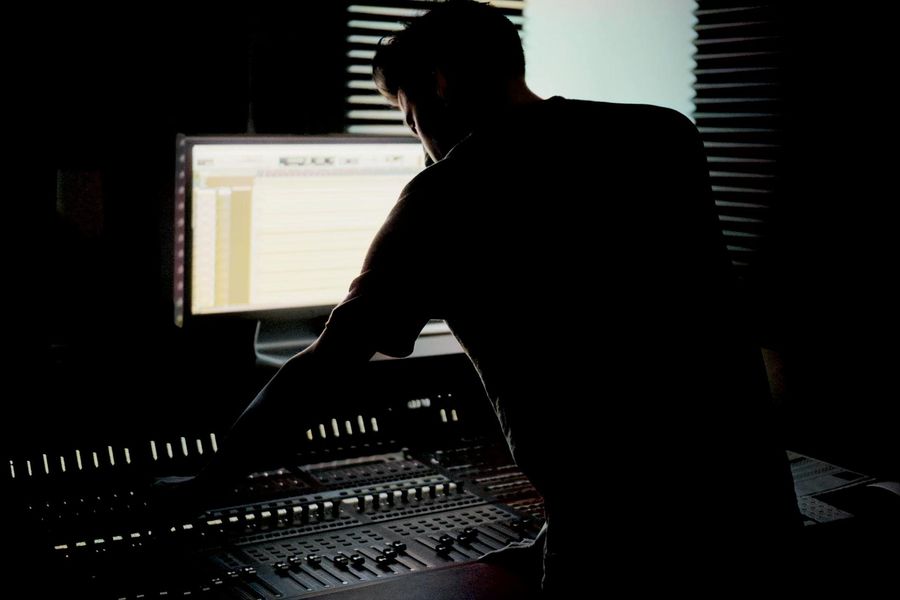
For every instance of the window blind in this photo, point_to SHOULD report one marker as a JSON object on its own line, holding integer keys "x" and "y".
{"x": 739, "y": 113}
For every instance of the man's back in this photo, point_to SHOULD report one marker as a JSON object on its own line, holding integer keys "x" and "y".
{"x": 574, "y": 250}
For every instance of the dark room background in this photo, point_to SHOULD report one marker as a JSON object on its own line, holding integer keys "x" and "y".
{"x": 92, "y": 103}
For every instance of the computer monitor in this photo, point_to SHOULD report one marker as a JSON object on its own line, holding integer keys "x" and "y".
{"x": 274, "y": 225}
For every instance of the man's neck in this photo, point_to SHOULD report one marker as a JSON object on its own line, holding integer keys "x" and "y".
{"x": 515, "y": 94}
{"x": 518, "y": 92}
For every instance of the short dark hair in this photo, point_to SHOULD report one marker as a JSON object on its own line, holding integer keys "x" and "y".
{"x": 473, "y": 43}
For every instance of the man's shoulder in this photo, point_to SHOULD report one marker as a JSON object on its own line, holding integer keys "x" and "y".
{"x": 628, "y": 111}
{"x": 425, "y": 179}
{"x": 423, "y": 193}
{"x": 434, "y": 179}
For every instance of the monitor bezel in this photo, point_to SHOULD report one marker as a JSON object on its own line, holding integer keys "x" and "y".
{"x": 182, "y": 248}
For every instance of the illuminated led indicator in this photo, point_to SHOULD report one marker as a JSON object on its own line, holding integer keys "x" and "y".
{"x": 127, "y": 456}
{"x": 453, "y": 414}
{"x": 12, "y": 470}
{"x": 199, "y": 447}
{"x": 61, "y": 547}
{"x": 112, "y": 456}
{"x": 99, "y": 541}
{"x": 80, "y": 544}
{"x": 169, "y": 450}
{"x": 443, "y": 415}
{"x": 335, "y": 428}
{"x": 309, "y": 434}
{"x": 184, "y": 449}
{"x": 213, "y": 522}
{"x": 62, "y": 463}
{"x": 361, "y": 423}
{"x": 78, "y": 460}
{"x": 96, "y": 460}
{"x": 213, "y": 443}
{"x": 153, "y": 450}
{"x": 28, "y": 466}
{"x": 187, "y": 526}
{"x": 135, "y": 535}
{"x": 322, "y": 430}
{"x": 374, "y": 424}
{"x": 46, "y": 464}
{"x": 117, "y": 538}
{"x": 348, "y": 427}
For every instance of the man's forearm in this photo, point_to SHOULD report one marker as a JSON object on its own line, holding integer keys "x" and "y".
{"x": 289, "y": 404}
{"x": 264, "y": 429}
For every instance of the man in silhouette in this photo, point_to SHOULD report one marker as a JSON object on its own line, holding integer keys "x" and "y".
{"x": 574, "y": 250}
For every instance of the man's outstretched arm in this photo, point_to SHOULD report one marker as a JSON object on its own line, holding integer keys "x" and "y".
{"x": 386, "y": 308}
{"x": 286, "y": 406}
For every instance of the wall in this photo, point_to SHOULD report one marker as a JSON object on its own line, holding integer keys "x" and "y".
{"x": 636, "y": 51}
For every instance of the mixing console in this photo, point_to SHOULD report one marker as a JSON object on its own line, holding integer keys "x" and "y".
{"x": 365, "y": 504}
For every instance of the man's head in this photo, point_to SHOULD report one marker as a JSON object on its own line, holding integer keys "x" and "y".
{"x": 449, "y": 69}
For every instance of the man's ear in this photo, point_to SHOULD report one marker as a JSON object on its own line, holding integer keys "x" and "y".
{"x": 440, "y": 85}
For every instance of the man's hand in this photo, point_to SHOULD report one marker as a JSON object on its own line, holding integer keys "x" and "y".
{"x": 526, "y": 556}
{"x": 174, "y": 498}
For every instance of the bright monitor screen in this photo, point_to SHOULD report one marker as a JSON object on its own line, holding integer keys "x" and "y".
{"x": 264, "y": 224}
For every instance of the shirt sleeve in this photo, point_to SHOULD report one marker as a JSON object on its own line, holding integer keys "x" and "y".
{"x": 397, "y": 291}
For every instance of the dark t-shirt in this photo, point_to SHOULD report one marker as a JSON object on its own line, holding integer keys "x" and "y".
{"x": 574, "y": 249}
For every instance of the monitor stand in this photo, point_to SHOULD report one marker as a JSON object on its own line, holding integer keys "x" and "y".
{"x": 278, "y": 340}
